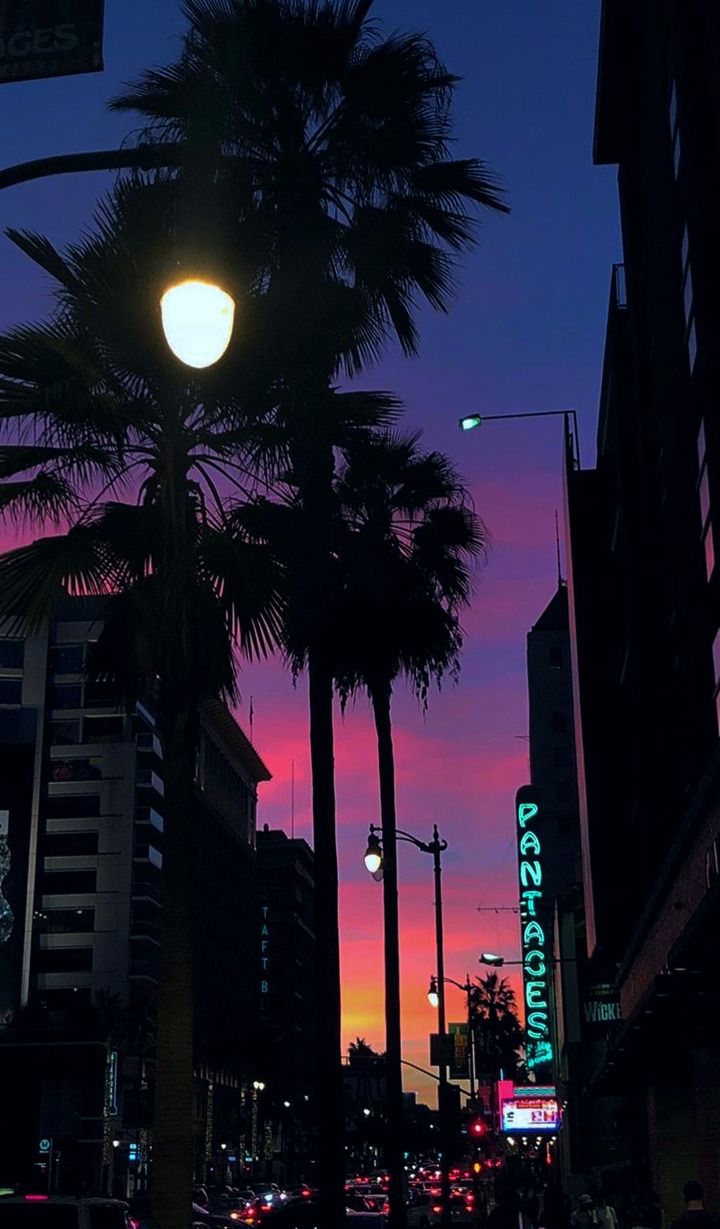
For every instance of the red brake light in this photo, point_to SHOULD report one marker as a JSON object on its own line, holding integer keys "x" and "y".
{"x": 437, "y": 1208}
{"x": 36, "y": 1198}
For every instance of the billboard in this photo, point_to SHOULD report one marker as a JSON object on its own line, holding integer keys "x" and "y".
{"x": 530, "y": 1116}
{"x": 50, "y": 38}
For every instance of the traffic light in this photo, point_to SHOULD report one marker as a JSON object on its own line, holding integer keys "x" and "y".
{"x": 477, "y": 1128}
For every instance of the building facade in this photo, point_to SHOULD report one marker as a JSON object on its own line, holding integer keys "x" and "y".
{"x": 286, "y": 978}
{"x": 81, "y": 805}
{"x": 645, "y": 600}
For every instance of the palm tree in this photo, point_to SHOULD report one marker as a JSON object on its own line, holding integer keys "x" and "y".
{"x": 501, "y": 1033}
{"x": 334, "y": 144}
{"x": 96, "y": 401}
{"x": 410, "y": 542}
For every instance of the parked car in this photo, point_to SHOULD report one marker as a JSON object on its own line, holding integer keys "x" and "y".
{"x": 37, "y": 1211}
{"x": 303, "y": 1214}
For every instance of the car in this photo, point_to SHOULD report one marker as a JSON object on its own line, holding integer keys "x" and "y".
{"x": 40, "y": 1211}
{"x": 303, "y": 1214}
{"x": 425, "y": 1210}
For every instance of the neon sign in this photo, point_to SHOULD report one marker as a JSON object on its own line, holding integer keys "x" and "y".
{"x": 533, "y": 922}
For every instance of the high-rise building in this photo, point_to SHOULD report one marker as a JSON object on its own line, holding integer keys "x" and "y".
{"x": 645, "y": 597}
{"x": 81, "y": 807}
{"x": 286, "y": 979}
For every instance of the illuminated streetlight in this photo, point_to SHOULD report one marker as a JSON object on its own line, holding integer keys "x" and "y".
{"x": 373, "y": 854}
{"x": 469, "y": 421}
{"x": 432, "y": 994}
{"x": 197, "y": 319}
{"x": 490, "y": 958}
{"x": 258, "y": 1085}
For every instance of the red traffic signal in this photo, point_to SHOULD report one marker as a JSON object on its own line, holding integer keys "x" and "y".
{"x": 477, "y": 1127}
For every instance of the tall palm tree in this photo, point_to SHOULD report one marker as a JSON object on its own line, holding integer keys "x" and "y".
{"x": 95, "y": 401}
{"x": 501, "y": 1033}
{"x": 336, "y": 149}
{"x": 410, "y": 543}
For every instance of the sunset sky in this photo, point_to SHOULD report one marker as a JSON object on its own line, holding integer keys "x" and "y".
{"x": 526, "y": 334}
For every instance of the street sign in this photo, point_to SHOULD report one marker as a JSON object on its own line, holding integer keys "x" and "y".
{"x": 45, "y": 1146}
{"x": 460, "y": 1061}
{"x": 442, "y": 1049}
{"x": 50, "y": 38}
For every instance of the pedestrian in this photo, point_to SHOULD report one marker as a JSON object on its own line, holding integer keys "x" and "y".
{"x": 605, "y": 1216}
{"x": 694, "y": 1216}
{"x": 583, "y": 1217}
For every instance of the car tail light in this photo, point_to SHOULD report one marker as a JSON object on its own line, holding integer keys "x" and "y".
{"x": 437, "y": 1208}
{"x": 36, "y": 1198}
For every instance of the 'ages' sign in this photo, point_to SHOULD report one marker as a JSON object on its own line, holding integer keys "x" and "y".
{"x": 50, "y": 38}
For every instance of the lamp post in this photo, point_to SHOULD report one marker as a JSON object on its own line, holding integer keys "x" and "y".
{"x": 467, "y": 989}
{"x": 381, "y": 862}
{"x": 469, "y": 422}
{"x": 197, "y": 314}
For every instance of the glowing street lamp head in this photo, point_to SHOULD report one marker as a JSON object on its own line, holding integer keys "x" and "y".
{"x": 197, "y": 319}
{"x": 373, "y": 854}
{"x": 433, "y": 996}
{"x": 469, "y": 421}
{"x": 491, "y": 958}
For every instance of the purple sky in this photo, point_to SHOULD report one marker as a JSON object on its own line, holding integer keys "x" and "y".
{"x": 526, "y": 333}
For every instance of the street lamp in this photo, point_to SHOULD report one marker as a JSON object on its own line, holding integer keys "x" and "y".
{"x": 381, "y": 861}
{"x": 197, "y": 319}
{"x": 490, "y": 958}
{"x": 467, "y": 989}
{"x": 469, "y": 422}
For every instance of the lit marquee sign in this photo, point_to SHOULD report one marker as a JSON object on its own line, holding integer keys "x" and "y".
{"x": 530, "y": 1115}
{"x": 533, "y": 922}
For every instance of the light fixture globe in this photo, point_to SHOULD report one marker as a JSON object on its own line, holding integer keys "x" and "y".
{"x": 373, "y": 854}
{"x": 492, "y": 959}
{"x": 432, "y": 994}
{"x": 197, "y": 319}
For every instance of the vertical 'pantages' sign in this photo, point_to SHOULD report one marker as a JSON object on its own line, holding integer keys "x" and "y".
{"x": 533, "y": 925}
{"x": 50, "y": 38}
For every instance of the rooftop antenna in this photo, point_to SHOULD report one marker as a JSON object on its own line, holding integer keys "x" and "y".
{"x": 292, "y": 800}
{"x": 557, "y": 551}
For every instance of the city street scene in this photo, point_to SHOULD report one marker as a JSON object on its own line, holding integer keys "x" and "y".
{"x": 359, "y": 614}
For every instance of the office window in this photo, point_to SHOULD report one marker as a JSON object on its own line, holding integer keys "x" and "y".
{"x": 692, "y": 346}
{"x": 68, "y": 883}
{"x": 102, "y": 695}
{"x": 63, "y": 960}
{"x": 70, "y": 844}
{"x": 76, "y": 770}
{"x": 12, "y": 654}
{"x": 64, "y": 921}
{"x": 704, "y": 492}
{"x": 73, "y": 806}
{"x": 66, "y": 695}
{"x": 10, "y": 691}
{"x": 709, "y": 550}
{"x": 67, "y": 658}
{"x": 103, "y": 729}
{"x": 65, "y": 733}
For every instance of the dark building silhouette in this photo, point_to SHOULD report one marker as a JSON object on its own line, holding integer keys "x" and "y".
{"x": 645, "y": 597}
{"x": 553, "y": 779}
{"x": 82, "y": 814}
{"x": 286, "y": 976}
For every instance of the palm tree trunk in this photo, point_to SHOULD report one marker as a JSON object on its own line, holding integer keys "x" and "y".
{"x": 330, "y": 1116}
{"x": 380, "y": 695}
{"x": 172, "y": 1156}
